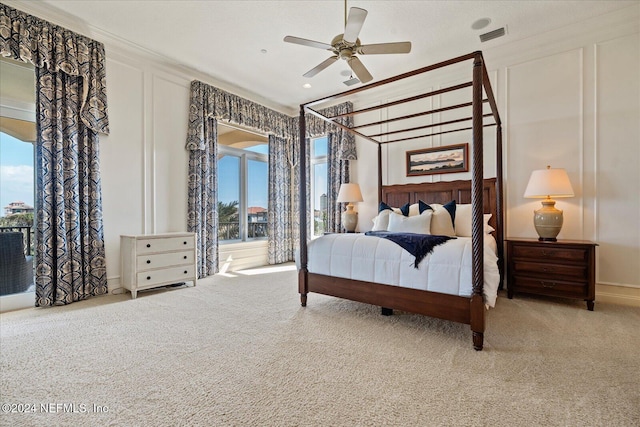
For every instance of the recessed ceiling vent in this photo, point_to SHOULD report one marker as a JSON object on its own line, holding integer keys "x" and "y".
{"x": 493, "y": 34}
{"x": 351, "y": 81}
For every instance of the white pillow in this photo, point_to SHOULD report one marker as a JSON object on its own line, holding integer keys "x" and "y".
{"x": 463, "y": 221}
{"x": 381, "y": 222}
{"x": 420, "y": 224}
{"x": 441, "y": 221}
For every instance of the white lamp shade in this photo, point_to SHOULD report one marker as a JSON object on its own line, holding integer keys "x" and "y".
{"x": 548, "y": 183}
{"x": 349, "y": 193}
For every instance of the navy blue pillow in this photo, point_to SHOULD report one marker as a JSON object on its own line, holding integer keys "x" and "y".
{"x": 383, "y": 207}
{"x": 450, "y": 207}
{"x": 405, "y": 210}
{"x": 422, "y": 206}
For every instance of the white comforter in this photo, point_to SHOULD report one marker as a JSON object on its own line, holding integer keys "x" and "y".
{"x": 373, "y": 259}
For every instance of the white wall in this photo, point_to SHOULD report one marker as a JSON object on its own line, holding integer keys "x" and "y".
{"x": 143, "y": 161}
{"x": 568, "y": 98}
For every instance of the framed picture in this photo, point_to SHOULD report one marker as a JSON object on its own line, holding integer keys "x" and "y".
{"x": 447, "y": 159}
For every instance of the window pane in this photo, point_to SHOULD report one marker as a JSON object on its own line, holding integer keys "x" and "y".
{"x": 16, "y": 215}
{"x": 319, "y": 147}
{"x": 257, "y": 198}
{"x": 228, "y": 197}
{"x": 319, "y": 198}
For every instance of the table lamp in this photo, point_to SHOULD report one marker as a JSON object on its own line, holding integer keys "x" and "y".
{"x": 349, "y": 193}
{"x": 544, "y": 184}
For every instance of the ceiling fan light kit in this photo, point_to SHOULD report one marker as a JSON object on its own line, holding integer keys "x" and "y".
{"x": 347, "y": 45}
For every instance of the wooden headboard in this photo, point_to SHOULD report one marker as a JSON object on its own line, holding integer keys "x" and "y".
{"x": 442, "y": 192}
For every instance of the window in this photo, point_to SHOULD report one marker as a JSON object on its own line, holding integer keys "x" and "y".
{"x": 319, "y": 147}
{"x": 243, "y": 176}
{"x": 17, "y": 158}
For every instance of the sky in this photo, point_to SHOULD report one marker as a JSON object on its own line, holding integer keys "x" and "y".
{"x": 16, "y": 171}
{"x": 257, "y": 181}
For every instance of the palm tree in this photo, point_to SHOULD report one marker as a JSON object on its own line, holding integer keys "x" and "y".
{"x": 228, "y": 212}
{"x": 228, "y": 220}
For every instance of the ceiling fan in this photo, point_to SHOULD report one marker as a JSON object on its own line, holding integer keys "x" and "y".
{"x": 347, "y": 45}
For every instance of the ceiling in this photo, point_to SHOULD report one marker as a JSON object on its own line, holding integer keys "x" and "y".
{"x": 240, "y": 43}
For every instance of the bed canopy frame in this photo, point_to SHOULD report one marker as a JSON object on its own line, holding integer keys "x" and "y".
{"x": 461, "y": 309}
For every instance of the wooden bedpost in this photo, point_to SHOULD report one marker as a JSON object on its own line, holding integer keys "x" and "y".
{"x": 477, "y": 225}
{"x": 303, "y": 272}
{"x": 500, "y": 220}
{"x": 379, "y": 173}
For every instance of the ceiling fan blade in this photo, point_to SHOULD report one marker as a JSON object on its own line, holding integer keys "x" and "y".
{"x": 383, "y": 48}
{"x": 305, "y": 42}
{"x": 361, "y": 71}
{"x": 324, "y": 64}
{"x": 354, "y": 24}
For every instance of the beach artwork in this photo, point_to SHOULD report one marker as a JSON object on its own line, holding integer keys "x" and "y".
{"x": 436, "y": 160}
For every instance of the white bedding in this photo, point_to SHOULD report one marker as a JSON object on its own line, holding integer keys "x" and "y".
{"x": 373, "y": 259}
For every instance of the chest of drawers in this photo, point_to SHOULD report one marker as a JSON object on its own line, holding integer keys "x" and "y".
{"x": 562, "y": 269}
{"x": 153, "y": 260}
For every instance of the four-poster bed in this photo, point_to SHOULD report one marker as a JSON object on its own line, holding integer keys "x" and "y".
{"x": 484, "y": 195}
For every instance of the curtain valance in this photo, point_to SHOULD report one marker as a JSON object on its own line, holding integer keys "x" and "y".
{"x": 45, "y": 45}
{"x": 318, "y": 127}
{"x": 210, "y": 102}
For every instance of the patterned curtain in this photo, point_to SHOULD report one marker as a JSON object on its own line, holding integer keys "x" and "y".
{"x": 202, "y": 144}
{"x": 209, "y": 104}
{"x": 338, "y": 173}
{"x": 71, "y": 110}
{"x": 45, "y": 45}
{"x": 281, "y": 214}
{"x": 346, "y": 141}
{"x": 70, "y": 260}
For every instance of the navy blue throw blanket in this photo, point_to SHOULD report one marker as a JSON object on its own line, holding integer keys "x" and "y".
{"x": 418, "y": 245}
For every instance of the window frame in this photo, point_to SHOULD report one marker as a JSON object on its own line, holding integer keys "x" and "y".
{"x": 316, "y": 160}
{"x": 243, "y": 210}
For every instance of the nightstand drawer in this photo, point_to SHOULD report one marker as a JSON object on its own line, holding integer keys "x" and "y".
{"x": 545, "y": 270}
{"x": 554, "y": 254}
{"x": 550, "y": 287}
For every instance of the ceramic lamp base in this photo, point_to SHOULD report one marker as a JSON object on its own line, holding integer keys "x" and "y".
{"x": 349, "y": 219}
{"x": 548, "y": 221}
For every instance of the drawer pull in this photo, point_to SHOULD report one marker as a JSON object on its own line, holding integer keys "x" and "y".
{"x": 148, "y": 261}
{"x": 547, "y": 284}
{"x": 185, "y": 257}
{"x": 548, "y": 253}
{"x": 184, "y": 243}
{"x": 148, "y": 277}
{"x": 185, "y": 272}
{"x": 148, "y": 245}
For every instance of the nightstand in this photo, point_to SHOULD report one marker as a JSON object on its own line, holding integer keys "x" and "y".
{"x": 566, "y": 268}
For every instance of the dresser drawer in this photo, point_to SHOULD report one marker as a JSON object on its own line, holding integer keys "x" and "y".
{"x": 145, "y": 246}
{"x": 554, "y": 254}
{"x": 167, "y": 275}
{"x": 551, "y": 287}
{"x": 168, "y": 259}
{"x": 540, "y": 269}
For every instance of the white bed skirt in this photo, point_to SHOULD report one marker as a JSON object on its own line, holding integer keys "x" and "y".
{"x": 446, "y": 270}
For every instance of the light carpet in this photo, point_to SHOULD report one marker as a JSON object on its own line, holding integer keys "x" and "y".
{"x": 241, "y": 351}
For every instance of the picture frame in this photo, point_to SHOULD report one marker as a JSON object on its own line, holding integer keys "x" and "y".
{"x": 437, "y": 160}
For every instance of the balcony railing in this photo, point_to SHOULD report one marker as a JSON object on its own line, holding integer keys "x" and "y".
{"x": 27, "y": 236}
{"x": 231, "y": 230}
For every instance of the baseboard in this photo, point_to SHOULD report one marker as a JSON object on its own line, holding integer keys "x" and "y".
{"x": 623, "y": 295}
{"x": 17, "y": 301}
